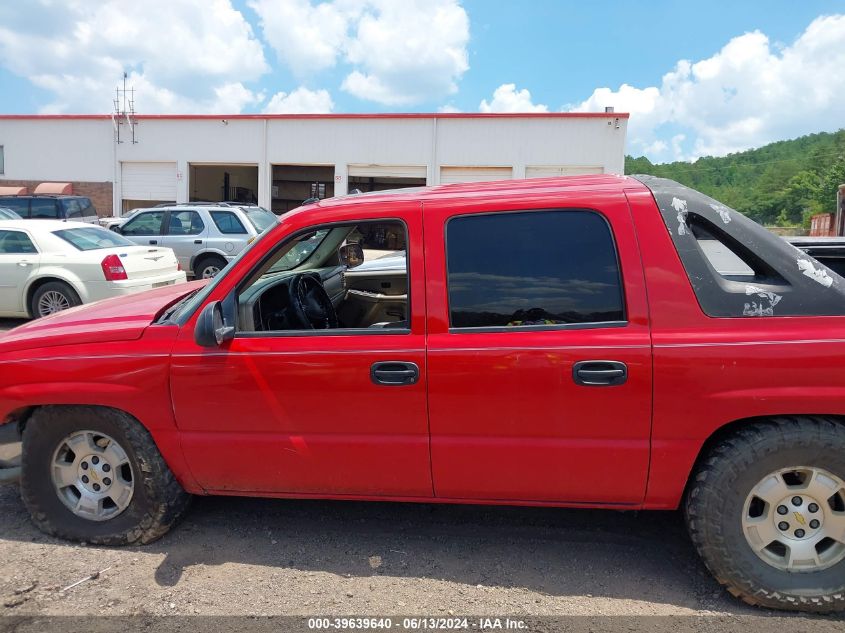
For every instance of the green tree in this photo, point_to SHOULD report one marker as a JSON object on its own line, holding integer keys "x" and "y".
{"x": 783, "y": 182}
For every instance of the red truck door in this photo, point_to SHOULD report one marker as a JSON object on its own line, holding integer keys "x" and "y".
{"x": 539, "y": 353}
{"x": 304, "y": 412}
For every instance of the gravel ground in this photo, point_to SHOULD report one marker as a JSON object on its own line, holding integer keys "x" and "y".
{"x": 235, "y": 556}
{"x": 255, "y": 556}
{"x": 263, "y": 557}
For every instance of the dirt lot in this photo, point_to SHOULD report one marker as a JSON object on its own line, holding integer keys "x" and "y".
{"x": 267, "y": 557}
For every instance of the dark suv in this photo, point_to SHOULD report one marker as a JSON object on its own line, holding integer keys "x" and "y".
{"x": 46, "y": 207}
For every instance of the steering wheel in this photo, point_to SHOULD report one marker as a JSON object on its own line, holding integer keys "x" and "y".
{"x": 310, "y": 304}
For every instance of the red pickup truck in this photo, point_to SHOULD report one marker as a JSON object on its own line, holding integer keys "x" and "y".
{"x": 602, "y": 341}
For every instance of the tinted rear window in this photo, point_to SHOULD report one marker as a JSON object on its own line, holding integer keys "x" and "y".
{"x": 44, "y": 209}
{"x": 532, "y": 268}
{"x": 92, "y": 238}
{"x": 16, "y": 242}
{"x": 227, "y": 223}
{"x": 19, "y": 205}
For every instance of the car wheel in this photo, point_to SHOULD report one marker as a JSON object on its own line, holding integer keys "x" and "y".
{"x": 208, "y": 266}
{"x": 52, "y": 297}
{"x": 93, "y": 474}
{"x": 766, "y": 511}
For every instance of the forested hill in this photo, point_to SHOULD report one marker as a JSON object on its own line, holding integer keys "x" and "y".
{"x": 781, "y": 183}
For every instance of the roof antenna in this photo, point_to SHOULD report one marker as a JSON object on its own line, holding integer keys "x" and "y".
{"x": 124, "y": 110}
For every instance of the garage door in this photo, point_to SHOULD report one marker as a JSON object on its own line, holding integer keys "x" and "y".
{"x": 387, "y": 171}
{"x": 550, "y": 171}
{"x": 474, "y": 174}
{"x": 148, "y": 181}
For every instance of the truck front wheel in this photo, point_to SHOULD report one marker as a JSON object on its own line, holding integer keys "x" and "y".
{"x": 94, "y": 474}
{"x": 766, "y": 511}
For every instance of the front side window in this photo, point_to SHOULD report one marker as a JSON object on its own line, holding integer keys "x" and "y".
{"x": 15, "y": 242}
{"x": 185, "y": 223}
{"x": 72, "y": 209}
{"x": 228, "y": 223}
{"x": 92, "y": 238}
{"x": 315, "y": 280}
{"x": 144, "y": 224}
{"x": 87, "y": 208}
{"x": 533, "y": 268}
{"x": 44, "y": 209}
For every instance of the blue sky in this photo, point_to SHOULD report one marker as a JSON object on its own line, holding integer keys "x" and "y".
{"x": 698, "y": 78}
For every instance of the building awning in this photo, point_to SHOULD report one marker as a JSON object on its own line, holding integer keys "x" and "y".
{"x": 61, "y": 188}
{"x": 13, "y": 191}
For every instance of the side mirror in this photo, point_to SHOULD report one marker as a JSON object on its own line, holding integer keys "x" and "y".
{"x": 351, "y": 255}
{"x": 117, "y": 228}
{"x": 211, "y": 330}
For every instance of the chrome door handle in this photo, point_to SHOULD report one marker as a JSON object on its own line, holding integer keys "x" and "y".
{"x": 24, "y": 264}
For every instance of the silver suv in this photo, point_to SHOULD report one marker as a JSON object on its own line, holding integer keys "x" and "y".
{"x": 205, "y": 237}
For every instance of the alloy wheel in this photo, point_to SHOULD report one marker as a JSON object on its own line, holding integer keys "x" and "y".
{"x": 51, "y": 302}
{"x": 794, "y": 519}
{"x": 92, "y": 475}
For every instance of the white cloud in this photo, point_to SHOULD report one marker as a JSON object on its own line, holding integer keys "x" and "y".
{"x": 748, "y": 94}
{"x": 506, "y": 98}
{"x": 180, "y": 56}
{"x": 448, "y": 109}
{"x": 306, "y": 37}
{"x": 300, "y": 101}
{"x": 401, "y": 51}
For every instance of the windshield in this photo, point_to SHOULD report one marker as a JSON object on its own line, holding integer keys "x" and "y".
{"x": 260, "y": 218}
{"x": 8, "y": 214}
{"x": 299, "y": 252}
{"x": 92, "y": 238}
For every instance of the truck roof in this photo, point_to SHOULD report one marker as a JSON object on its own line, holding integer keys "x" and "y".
{"x": 483, "y": 189}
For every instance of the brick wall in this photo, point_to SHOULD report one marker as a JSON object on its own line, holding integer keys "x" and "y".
{"x": 99, "y": 192}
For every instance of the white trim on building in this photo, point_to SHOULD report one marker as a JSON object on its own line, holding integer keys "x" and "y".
{"x": 430, "y": 148}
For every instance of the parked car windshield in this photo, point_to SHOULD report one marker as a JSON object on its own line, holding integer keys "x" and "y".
{"x": 260, "y": 218}
{"x": 8, "y": 214}
{"x": 92, "y": 238}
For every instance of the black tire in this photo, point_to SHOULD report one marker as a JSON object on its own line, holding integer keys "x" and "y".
{"x": 59, "y": 287}
{"x": 205, "y": 261}
{"x": 158, "y": 500}
{"x": 716, "y": 500}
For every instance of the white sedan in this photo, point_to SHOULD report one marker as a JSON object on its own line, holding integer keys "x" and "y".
{"x": 49, "y": 265}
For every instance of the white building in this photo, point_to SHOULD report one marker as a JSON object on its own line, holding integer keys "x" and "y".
{"x": 280, "y": 160}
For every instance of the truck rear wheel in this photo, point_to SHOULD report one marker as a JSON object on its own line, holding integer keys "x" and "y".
{"x": 766, "y": 511}
{"x": 95, "y": 475}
